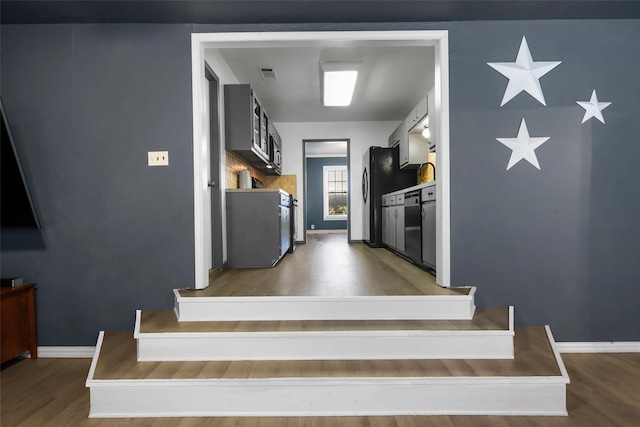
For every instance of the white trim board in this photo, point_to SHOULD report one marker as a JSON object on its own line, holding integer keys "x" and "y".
{"x": 64, "y": 352}
{"x": 87, "y": 352}
{"x": 437, "y": 38}
{"x": 599, "y": 347}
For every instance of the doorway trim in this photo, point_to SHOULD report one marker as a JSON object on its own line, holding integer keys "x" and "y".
{"x": 304, "y": 177}
{"x": 437, "y": 38}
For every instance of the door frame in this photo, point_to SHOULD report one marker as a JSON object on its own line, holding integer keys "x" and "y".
{"x": 304, "y": 177}
{"x": 437, "y": 38}
{"x": 218, "y": 258}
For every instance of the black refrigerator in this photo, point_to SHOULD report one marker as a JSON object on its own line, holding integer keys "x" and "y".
{"x": 381, "y": 174}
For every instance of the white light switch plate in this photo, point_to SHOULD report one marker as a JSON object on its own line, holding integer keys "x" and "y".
{"x": 158, "y": 158}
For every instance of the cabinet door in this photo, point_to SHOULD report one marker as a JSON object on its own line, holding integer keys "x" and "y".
{"x": 264, "y": 133}
{"x": 385, "y": 225}
{"x": 391, "y": 230}
{"x": 285, "y": 229}
{"x": 257, "y": 116}
{"x": 421, "y": 110}
{"x": 400, "y": 228}
{"x": 429, "y": 233}
{"x": 403, "y": 142}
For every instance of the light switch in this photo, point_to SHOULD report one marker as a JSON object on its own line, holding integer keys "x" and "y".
{"x": 158, "y": 158}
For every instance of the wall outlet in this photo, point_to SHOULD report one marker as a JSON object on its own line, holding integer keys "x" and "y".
{"x": 158, "y": 158}
{"x": 313, "y": 226}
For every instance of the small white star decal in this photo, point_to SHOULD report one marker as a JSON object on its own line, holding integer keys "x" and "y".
{"x": 523, "y": 146}
{"x": 593, "y": 108}
{"x": 524, "y": 74}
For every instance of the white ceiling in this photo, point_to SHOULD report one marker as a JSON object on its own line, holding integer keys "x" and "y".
{"x": 392, "y": 79}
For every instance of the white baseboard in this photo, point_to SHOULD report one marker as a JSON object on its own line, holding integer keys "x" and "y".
{"x": 64, "y": 352}
{"x": 599, "y": 347}
{"x": 87, "y": 352}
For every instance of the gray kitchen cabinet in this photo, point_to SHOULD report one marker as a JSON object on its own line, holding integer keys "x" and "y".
{"x": 413, "y": 151}
{"x": 418, "y": 113}
{"x": 247, "y": 127}
{"x": 428, "y": 198}
{"x": 258, "y": 227}
{"x": 393, "y": 221}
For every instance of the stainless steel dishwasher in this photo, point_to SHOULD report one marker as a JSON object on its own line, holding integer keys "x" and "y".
{"x": 429, "y": 226}
{"x": 412, "y": 225}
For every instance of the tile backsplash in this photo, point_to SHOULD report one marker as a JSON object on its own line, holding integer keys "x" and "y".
{"x": 236, "y": 164}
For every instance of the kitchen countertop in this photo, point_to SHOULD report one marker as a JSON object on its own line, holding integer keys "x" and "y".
{"x": 415, "y": 187}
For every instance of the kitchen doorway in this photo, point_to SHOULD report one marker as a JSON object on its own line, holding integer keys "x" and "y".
{"x": 438, "y": 39}
{"x": 327, "y": 187}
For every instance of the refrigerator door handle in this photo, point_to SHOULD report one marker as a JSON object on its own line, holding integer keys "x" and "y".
{"x": 365, "y": 185}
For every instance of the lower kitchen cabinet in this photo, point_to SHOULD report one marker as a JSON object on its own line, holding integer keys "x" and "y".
{"x": 258, "y": 227}
{"x": 393, "y": 222}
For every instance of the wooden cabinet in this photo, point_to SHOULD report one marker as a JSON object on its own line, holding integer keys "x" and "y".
{"x": 248, "y": 128}
{"x": 18, "y": 323}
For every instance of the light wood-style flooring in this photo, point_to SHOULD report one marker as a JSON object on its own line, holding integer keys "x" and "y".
{"x": 604, "y": 392}
{"x": 327, "y": 266}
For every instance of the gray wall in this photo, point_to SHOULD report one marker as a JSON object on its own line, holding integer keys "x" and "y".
{"x": 315, "y": 185}
{"x": 560, "y": 244}
{"x": 86, "y": 103}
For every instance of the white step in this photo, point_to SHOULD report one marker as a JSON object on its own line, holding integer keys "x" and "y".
{"x": 122, "y": 387}
{"x": 392, "y": 307}
{"x": 488, "y": 336}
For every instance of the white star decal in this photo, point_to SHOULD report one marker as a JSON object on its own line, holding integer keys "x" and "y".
{"x": 593, "y": 108}
{"x": 524, "y": 74}
{"x": 523, "y": 146}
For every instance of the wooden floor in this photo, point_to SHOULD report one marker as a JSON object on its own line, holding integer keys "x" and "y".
{"x": 604, "y": 391}
{"x": 313, "y": 268}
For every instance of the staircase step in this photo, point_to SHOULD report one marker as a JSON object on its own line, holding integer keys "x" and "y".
{"x": 161, "y": 337}
{"x": 533, "y": 383}
{"x": 455, "y": 304}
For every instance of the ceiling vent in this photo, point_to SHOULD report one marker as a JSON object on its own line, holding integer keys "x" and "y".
{"x": 268, "y": 73}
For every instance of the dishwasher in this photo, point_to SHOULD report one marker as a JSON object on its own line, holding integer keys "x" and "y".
{"x": 429, "y": 227}
{"x": 412, "y": 226}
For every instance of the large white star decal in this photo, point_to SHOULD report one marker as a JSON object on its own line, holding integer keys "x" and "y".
{"x": 593, "y": 108}
{"x": 523, "y": 146}
{"x": 524, "y": 74}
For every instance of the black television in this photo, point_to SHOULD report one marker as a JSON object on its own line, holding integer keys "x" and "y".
{"x": 16, "y": 205}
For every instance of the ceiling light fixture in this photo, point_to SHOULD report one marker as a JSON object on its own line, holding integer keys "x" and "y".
{"x": 338, "y": 82}
{"x": 425, "y": 133}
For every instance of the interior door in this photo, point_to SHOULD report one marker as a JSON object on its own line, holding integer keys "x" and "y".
{"x": 217, "y": 250}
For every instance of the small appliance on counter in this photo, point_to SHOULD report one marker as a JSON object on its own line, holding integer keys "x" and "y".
{"x": 256, "y": 183}
{"x": 244, "y": 179}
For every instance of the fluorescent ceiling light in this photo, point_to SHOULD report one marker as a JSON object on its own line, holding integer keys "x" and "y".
{"x": 338, "y": 82}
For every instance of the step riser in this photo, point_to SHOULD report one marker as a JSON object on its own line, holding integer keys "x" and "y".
{"x": 338, "y": 398}
{"x": 356, "y": 308}
{"x": 326, "y": 346}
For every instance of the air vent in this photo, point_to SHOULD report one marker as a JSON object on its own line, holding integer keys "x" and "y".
{"x": 268, "y": 73}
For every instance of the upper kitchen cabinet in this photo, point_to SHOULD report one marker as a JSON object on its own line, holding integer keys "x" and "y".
{"x": 248, "y": 128}
{"x": 418, "y": 113}
{"x": 414, "y": 148}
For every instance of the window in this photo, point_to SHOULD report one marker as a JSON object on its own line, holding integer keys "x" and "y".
{"x": 335, "y": 190}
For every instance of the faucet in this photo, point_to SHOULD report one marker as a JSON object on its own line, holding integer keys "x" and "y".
{"x": 432, "y": 165}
